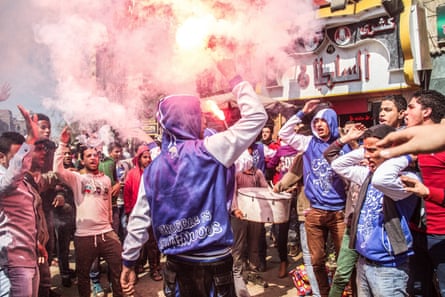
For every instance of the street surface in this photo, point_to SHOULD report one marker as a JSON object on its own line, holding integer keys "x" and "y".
{"x": 146, "y": 287}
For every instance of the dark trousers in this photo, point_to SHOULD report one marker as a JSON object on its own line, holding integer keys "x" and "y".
{"x": 64, "y": 229}
{"x": 88, "y": 248}
{"x": 193, "y": 279}
{"x": 420, "y": 282}
{"x": 150, "y": 252}
{"x": 246, "y": 241}
{"x": 283, "y": 230}
{"x": 45, "y": 279}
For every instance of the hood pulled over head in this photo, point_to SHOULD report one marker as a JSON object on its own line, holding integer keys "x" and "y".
{"x": 141, "y": 149}
{"x": 330, "y": 116}
{"x": 180, "y": 116}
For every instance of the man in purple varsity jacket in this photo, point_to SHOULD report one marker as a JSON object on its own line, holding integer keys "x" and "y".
{"x": 186, "y": 193}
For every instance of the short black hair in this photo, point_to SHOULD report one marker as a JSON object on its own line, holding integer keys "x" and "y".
{"x": 114, "y": 145}
{"x": 83, "y": 148}
{"x": 7, "y": 139}
{"x": 434, "y": 100}
{"x": 398, "y": 100}
{"x": 47, "y": 143}
{"x": 43, "y": 117}
{"x": 378, "y": 131}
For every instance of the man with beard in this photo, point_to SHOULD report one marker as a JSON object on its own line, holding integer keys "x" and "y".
{"x": 94, "y": 236}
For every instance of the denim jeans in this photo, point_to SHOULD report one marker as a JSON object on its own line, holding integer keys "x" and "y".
{"x": 5, "y": 285}
{"x": 381, "y": 281}
{"x": 24, "y": 281}
{"x": 345, "y": 266}
{"x": 436, "y": 248}
{"x": 196, "y": 279}
{"x": 319, "y": 223}
{"x": 307, "y": 261}
{"x": 246, "y": 238}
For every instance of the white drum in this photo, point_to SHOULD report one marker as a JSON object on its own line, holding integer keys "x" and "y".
{"x": 263, "y": 205}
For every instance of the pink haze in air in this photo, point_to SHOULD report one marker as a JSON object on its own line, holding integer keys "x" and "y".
{"x": 111, "y": 59}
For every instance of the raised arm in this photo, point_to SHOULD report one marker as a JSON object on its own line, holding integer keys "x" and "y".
{"x": 66, "y": 176}
{"x": 287, "y": 133}
{"x": 32, "y": 128}
{"x": 334, "y": 149}
{"x": 412, "y": 140}
{"x": 21, "y": 161}
{"x": 387, "y": 179}
{"x": 347, "y": 166}
{"x": 227, "y": 146}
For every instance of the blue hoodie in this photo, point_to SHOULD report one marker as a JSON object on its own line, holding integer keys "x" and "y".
{"x": 187, "y": 179}
{"x": 186, "y": 192}
{"x": 323, "y": 187}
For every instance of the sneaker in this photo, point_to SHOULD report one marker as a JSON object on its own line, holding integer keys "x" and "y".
{"x": 257, "y": 280}
{"x": 294, "y": 250}
{"x": 98, "y": 291}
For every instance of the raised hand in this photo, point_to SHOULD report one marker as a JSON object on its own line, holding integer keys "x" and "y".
{"x": 354, "y": 133}
{"x": 417, "y": 139}
{"x": 310, "y": 105}
{"x": 32, "y": 128}
{"x": 415, "y": 186}
{"x": 65, "y": 135}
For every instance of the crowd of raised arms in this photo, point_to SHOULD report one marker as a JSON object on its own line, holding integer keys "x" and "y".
{"x": 372, "y": 197}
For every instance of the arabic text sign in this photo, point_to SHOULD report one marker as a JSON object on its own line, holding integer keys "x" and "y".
{"x": 441, "y": 23}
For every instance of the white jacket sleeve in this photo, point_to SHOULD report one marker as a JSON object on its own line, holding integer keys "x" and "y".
{"x": 138, "y": 223}
{"x": 287, "y": 134}
{"x": 227, "y": 146}
{"x": 387, "y": 178}
{"x": 347, "y": 166}
{"x": 18, "y": 165}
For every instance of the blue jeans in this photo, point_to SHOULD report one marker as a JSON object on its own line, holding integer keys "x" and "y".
{"x": 436, "y": 248}
{"x": 5, "y": 286}
{"x": 307, "y": 261}
{"x": 381, "y": 281}
{"x": 24, "y": 281}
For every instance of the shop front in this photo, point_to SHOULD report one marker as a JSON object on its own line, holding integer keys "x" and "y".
{"x": 365, "y": 51}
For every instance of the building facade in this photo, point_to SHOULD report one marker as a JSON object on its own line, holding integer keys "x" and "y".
{"x": 366, "y": 50}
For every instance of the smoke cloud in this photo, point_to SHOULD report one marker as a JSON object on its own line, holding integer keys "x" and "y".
{"x": 112, "y": 59}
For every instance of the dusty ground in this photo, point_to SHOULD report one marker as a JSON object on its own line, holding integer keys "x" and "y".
{"x": 148, "y": 288}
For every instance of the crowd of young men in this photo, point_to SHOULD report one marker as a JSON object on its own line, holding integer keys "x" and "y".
{"x": 381, "y": 237}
